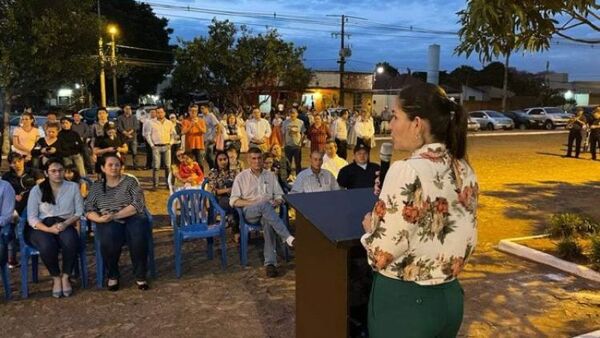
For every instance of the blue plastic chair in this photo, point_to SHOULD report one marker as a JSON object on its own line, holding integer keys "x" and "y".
{"x": 192, "y": 214}
{"x": 4, "y": 236}
{"x": 28, "y": 252}
{"x": 246, "y": 227}
{"x": 100, "y": 262}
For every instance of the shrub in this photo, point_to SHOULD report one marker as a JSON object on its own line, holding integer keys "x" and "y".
{"x": 564, "y": 225}
{"x": 595, "y": 253}
{"x": 568, "y": 249}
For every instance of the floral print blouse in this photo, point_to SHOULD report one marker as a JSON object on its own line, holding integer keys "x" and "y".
{"x": 220, "y": 179}
{"x": 424, "y": 225}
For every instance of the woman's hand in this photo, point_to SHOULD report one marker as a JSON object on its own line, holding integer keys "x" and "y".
{"x": 377, "y": 187}
{"x": 105, "y": 218}
{"x": 366, "y": 223}
{"x": 53, "y": 229}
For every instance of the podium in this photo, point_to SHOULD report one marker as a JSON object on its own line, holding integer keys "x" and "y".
{"x": 328, "y": 231}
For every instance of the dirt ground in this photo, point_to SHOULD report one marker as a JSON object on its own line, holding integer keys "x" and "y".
{"x": 523, "y": 180}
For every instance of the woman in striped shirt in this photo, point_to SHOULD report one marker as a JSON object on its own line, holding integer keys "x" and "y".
{"x": 116, "y": 204}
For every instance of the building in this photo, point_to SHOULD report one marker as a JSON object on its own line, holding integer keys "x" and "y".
{"x": 324, "y": 90}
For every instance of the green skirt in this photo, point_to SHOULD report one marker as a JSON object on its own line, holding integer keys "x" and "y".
{"x": 407, "y": 309}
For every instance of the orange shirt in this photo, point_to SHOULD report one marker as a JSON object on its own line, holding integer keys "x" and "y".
{"x": 194, "y": 138}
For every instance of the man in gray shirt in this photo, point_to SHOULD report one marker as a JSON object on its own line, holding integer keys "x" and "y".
{"x": 293, "y": 133}
{"x": 127, "y": 125}
{"x": 85, "y": 132}
{"x": 212, "y": 128}
{"x": 257, "y": 192}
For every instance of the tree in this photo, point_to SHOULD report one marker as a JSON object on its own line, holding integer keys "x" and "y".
{"x": 498, "y": 28}
{"x": 226, "y": 66}
{"x": 44, "y": 45}
{"x": 139, "y": 71}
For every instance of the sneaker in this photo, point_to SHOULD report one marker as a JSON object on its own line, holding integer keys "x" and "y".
{"x": 13, "y": 264}
{"x": 271, "y": 271}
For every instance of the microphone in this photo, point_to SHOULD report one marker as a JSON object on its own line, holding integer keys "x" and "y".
{"x": 385, "y": 156}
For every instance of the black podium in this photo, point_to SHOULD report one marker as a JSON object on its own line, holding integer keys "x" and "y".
{"x": 328, "y": 231}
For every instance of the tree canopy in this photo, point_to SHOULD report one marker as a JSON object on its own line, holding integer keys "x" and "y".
{"x": 232, "y": 61}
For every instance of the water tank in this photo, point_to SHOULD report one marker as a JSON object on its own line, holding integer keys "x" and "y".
{"x": 433, "y": 69}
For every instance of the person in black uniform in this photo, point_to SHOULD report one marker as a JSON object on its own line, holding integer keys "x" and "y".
{"x": 360, "y": 173}
{"x": 595, "y": 133}
{"x": 575, "y": 126}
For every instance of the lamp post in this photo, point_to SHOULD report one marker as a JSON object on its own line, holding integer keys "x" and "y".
{"x": 102, "y": 77}
{"x": 112, "y": 30}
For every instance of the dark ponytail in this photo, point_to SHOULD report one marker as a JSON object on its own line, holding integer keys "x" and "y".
{"x": 447, "y": 119}
{"x": 45, "y": 188}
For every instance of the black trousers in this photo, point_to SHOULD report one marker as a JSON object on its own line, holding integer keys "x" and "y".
{"x": 574, "y": 135}
{"x": 342, "y": 148}
{"x": 295, "y": 153}
{"x": 594, "y": 142}
{"x": 112, "y": 238}
{"x": 148, "y": 155}
{"x": 49, "y": 245}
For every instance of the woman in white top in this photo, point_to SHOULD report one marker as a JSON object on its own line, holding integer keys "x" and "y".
{"x": 53, "y": 208}
{"x": 25, "y": 136}
{"x": 423, "y": 228}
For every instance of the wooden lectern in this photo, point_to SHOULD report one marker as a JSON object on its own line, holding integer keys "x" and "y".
{"x": 328, "y": 231}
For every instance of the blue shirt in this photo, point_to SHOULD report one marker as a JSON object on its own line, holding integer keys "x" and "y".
{"x": 7, "y": 202}
{"x": 69, "y": 203}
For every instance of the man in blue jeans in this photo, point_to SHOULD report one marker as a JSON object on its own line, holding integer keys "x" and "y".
{"x": 257, "y": 191}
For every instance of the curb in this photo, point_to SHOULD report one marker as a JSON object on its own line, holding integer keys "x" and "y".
{"x": 508, "y": 246}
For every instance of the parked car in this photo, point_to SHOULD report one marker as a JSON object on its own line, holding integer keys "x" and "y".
{"x": 548, "y": 117}
{"x": 91, "y": 114}
{"x": 39, "y": 121}
{"x": 472, "y": 125}
{"x": 520, "y": 119}
{"x": 491, "y": 120}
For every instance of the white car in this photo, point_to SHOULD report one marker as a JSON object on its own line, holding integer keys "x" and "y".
{"x": 491, "y": 120}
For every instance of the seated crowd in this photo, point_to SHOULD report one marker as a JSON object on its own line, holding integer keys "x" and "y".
{"x": 49, "y": 178}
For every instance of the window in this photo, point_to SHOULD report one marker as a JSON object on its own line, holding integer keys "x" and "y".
{"x": 477, "y": 114}
{"x": 536, "y": 112}
{"x": 357, "y": 101}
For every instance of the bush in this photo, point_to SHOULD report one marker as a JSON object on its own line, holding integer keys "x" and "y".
{"x": 568, "y": 249}
{"x": 565, "y": 225}
{"x": 595, "y": 253}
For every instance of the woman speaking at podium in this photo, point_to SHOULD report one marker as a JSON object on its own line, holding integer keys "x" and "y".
{"x": 423, "y": 228}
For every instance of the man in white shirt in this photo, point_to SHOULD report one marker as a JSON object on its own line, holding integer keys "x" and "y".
{"x": 145, "y": 128}
{"x": 257, "y": 192}
{"x": 340, "y": 134}
{"x": 331, "y": 161}
{"x": 159, "y": 136}
{"x": 258, "y": 130}
{"x": 315, "y": 179}
{"x": 365, "y": 130}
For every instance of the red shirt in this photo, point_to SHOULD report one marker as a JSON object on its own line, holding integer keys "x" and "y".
{"x": 186, "y": 172}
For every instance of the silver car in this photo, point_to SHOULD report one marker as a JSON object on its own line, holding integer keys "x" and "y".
{"x": 548, "y": 117}
{"x": 491, "y": 120}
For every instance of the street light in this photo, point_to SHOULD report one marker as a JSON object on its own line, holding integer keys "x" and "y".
{"x": 380, "y": 70}
{"x": 112, "y": 30}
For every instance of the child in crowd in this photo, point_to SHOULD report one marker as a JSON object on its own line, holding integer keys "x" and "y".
{"x": 72, "y": 175}
{"x": 188, "y": 172}
{"x": 234, "y": 163}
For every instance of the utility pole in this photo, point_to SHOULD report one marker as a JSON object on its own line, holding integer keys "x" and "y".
{"x": 101, "y": 57}
{"x": 344, "y": 52}
{"x": 113, "y": 31}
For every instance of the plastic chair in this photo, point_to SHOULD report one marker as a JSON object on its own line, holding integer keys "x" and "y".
{"x": 246, "y": 227}
{"x": 27, "y": 252}
{"x": 4, "y": 236}
{"x": 195, "y": 219}
{"x": 100, "y": 262}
